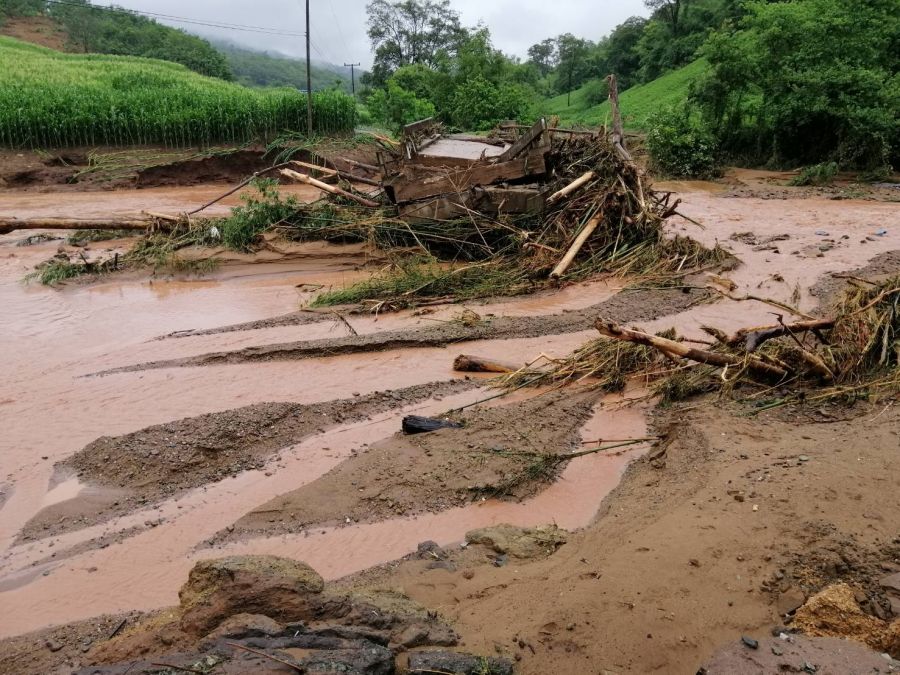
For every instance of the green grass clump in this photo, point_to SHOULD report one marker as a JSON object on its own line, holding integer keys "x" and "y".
{"x": 55, "y": 271}
{"x": 51, "y": 99}
{"x": 638, "y": 104}
{"x": 422, "y": 277}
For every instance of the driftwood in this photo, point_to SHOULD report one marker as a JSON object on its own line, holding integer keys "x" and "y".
{"x": 752, "y": 339}
{"x": 752, "y": 363}
{"x": 325, "y": 187}
{"x": 571, "y": 187}
{"x": 466, "y": 363}
{"x": 7, "y": 226}
{"x": 579, "y": 242}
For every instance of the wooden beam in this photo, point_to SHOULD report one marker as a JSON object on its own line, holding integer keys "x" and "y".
{"x": 526, "y": 140}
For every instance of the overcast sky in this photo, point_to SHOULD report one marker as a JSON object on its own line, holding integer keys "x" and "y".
{"x": 339, "y": 26}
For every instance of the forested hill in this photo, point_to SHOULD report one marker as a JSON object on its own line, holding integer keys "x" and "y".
{"x": 85, "y": 28}
{"x": 264, "y": 69}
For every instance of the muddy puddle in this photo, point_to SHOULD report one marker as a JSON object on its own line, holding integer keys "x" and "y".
{"x": 49, "y": 410}
{"x": 125, "y": 203}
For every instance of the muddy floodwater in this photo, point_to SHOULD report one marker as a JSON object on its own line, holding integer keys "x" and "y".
{"x": 52, "y": 404}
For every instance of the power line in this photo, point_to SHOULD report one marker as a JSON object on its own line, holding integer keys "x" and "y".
{"x": 352, "y": 67}
{"x": 180, "y": 19}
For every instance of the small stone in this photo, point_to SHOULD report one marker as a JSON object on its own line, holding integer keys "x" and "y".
{"x": 739, "y": 498}
{"x": 777, "y": 651}
{"x": 468, "y": 574}
{"x": 53, "y": 645}
{"x": 750, "y": 642}
{"x": 803, "y": 458}
{"x": 693, "y": 562}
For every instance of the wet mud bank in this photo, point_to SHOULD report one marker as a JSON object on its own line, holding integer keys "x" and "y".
{"x": 495, "y": 454}
{"x": 635, "y": 305}
{"x": 121, "y": 474}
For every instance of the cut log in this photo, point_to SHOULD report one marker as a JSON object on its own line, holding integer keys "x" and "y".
{"x": 521, "y": 145}
{"x": 754, "y": 364}
{"x": 69, "y": 224}
{"x": 466, "y": 363}
{"x": 325, "y": 187}
{"x": 579, "y": 182}
{"x": 577, "y": 245}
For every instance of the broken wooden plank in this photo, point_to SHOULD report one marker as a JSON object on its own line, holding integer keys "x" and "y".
{"x": 412, "y": 186}
{"x": 529, "y": 137}
{"x": 490, "y": 201}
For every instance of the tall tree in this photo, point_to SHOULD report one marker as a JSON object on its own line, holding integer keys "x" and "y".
{"x": 405, "y": 32}
{"x": 669, "y": 10}
{"x": 544, "y": 55}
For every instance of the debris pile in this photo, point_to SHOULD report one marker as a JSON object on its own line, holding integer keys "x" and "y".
{"x": 853, "y": 353}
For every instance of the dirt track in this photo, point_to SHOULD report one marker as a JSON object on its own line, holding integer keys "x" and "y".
{"x": 677, "y": 562}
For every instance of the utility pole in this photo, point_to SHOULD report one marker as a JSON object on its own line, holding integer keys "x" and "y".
{"x": 309, "y": 105}
{"x": 352, "y": 67}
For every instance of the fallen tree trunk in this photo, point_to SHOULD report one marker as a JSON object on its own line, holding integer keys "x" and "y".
{"x": 752, "y": 363}
{"x": 7, "y": 226}
{"x": 579, "y": 242}
{"x": 466, "y": 363}
{"x": 331, "y": 189}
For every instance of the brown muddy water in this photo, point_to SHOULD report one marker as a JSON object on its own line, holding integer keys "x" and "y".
{"x": 51, "y": 339}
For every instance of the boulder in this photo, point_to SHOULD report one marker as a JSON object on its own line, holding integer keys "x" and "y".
{"x": 519, "y": 542}
{"x": 278, "y": 588}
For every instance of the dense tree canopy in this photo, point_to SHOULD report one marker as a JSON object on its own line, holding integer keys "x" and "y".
{"x": 407, "y": 32}
{"x": 807, "y": 81}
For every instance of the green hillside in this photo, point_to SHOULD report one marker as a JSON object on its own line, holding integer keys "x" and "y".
{"x": 638, "y": 103}
{"x": 262, "y": 69}
{"x": 52, "y": 99}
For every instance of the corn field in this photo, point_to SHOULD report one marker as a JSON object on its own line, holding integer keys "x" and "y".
{"x": 52, "y": 100}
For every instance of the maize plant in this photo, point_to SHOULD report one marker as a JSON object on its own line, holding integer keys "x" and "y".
{"x": 52, "y": 100}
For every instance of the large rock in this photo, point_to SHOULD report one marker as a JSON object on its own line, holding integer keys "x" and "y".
{"x": 282, "y": 589}
{"x": 453, "y": 663}
{"x": 519, "y": 542}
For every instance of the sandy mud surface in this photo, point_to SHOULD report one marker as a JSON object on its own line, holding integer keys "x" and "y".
{"x": 254, "y": 428}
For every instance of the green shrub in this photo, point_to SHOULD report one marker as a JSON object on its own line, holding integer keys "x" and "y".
{"x": 680, "y": 145}
{"x": 595, "y": 92}
{"x": 396, "y": 107}
{"x": 241, "y": 229}
{"x": 818, "y": 174}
